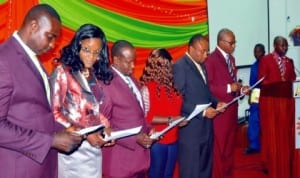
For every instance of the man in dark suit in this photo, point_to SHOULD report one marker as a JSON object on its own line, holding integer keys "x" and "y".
{"x": 222, "y": 78}
{"x": 123, "y": 106}
{"x": 27, "y": 127}
{"x": 196, "y": 138}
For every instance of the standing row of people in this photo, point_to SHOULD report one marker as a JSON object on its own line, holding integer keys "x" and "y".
{"x": 38, "y": 118}
{"x": 86, "y": 91}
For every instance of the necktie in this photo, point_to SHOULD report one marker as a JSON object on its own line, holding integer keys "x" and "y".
{"x": 43, "y": 75}
{"x": 199, "y": 67}
{"x": 280, "y": 66}
{"x": 134, "y": 90}
{"x": 230, "y": 67}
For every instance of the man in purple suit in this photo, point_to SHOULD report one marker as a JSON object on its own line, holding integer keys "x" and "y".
{"x": 28, "y": 135}
{"x": 123, "y": 106}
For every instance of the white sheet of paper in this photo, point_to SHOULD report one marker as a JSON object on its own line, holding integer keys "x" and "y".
{"x": 199, "y": 108}
{"x": 156, "y": 135}
{"x": 89, "y": 129}
{"x": 238, "y": 97}
{"x": 122, "y": 133}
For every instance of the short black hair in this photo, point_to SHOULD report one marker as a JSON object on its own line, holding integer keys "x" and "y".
{"x": 118, "y": 45}
{"x": 36, "y": 11}
{"x": 260, "y": 46}
{"x": 195, "y": 38}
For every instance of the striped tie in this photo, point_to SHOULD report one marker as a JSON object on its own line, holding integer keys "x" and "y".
{"x": 230, "y": 67}
{"x": 280, "y": 65}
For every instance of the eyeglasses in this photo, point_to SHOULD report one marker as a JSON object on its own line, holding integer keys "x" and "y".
{"x": 229, "y": 42}
{"x": 88, "y": 52}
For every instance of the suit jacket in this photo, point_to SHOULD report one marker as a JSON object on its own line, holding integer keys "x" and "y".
{"x": 74, "y": 101}
{"x": 194, "y": 90}
{"x": 26, "y": 120}
{"x": 218, "y": 78}
{"x": 123, "y": 110}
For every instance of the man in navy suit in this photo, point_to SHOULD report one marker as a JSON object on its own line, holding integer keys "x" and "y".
{"x": 196, "y": 138}
{"x": 28, "y": 136}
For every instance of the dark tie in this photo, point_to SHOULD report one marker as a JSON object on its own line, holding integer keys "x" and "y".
{"x": 230, "y": 67}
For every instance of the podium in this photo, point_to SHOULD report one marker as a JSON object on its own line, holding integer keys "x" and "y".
{"x": 296, "y": 93}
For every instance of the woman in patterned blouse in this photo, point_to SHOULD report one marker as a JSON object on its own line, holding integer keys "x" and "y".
{"x": 77, "y": 98}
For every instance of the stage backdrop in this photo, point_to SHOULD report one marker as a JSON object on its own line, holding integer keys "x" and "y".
{"x": 147, "y": 24}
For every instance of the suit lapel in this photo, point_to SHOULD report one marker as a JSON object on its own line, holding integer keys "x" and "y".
{"x": 82, "y": 81}
{"x": 26, "y": 59}
{"x": 86, "y": 90}
{"x": 194, "y": 68}
{"x": 125, "y": 87}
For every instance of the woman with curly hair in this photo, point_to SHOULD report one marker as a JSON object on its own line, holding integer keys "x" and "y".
{"x": 77, "y": 97}
{"x": 162, "y": 105}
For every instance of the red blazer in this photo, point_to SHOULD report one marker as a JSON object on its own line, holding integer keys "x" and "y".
{"x": 218, "y": 75}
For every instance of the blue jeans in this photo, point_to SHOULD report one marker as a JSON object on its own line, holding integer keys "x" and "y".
{"x": 163, "y": 160}
{"x": 254, "y": 127}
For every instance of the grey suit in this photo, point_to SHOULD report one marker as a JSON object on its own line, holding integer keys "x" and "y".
{"x": 196, "y": 138}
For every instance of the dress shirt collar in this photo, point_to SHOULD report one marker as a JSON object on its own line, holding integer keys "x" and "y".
{"x": 196, "y": 63}
{"x": 119, "y": 73}
{"x": 223, "y": 52}
{"x": 28, "y": 51}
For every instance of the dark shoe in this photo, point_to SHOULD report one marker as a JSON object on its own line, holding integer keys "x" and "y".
{"x": 249, "y": 151}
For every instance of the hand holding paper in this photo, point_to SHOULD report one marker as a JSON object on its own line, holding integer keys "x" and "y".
{"x": 242, "y": 95}
{"x": 156, "y": 135}
{"x": 199, "y": 108}
{"x": 88, "y": 130}
{"x": 122, "y": 133}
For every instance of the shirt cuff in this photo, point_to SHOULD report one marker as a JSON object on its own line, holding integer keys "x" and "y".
{"x": 228, "y": 88}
